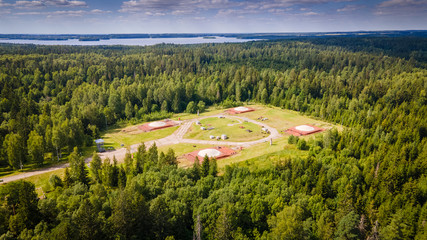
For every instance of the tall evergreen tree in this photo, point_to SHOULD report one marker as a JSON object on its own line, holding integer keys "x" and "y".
{"x": 205, "y": 166}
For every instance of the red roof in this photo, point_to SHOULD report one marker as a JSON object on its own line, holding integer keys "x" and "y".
{"x": 297, "y": 130}
{"x": 225, "y": 152}
{"x": 147, "y": 128}
{"x": 236, "y": 111}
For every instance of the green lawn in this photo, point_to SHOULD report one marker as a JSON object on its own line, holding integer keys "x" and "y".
{"x": 129, "y": 136}
{"x": 282, "y": 119}
{"x": 209, "y": 111}
{"x": 183, "y": 148}
{"x": 234, "y": 128}
{"x": 257, "y": 156}
{"x": 41, "y": 181}
{"x": 50, "y": 160}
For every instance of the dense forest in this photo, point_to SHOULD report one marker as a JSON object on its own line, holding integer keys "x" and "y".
{"x": 368, "y": 181}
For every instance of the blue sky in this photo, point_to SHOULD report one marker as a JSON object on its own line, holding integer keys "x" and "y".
{"x": 210, "y": 16}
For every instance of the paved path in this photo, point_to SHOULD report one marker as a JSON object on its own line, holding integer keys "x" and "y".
{"x": 174, "y": 138}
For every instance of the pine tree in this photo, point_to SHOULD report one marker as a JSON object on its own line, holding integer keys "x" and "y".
{"x": 95, "y": 167}
{"x": 68, "y": 181}
{"x": 196, "y": 170}
{"x": 122, "y": 178}
{"x": 128, "y": 163}
{"x": 107, "y": 173}
{"x": 205, "y": 166}
{"x": 213, "y": 167}
{"x": 171, "y": 158}
{"x": 114, "y": 173}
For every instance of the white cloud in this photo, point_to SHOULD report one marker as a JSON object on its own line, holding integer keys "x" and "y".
{"x": 402, "y": 7}
{"x": 29, "y": 4}
{"x": 175, "y": 6}
{"x": 403, "y": 3}
{"x": 65, "y": 3}
{"x": 63, "y": 13}
{"x": 3, "y": 4}
{"x": 99, "y": 11}
{"x": 310, "y": 14}
{"x": 350, "y": 8}
{"x": 26, "y": 4}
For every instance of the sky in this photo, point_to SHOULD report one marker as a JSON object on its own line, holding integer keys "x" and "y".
{"x": 209, "y": 16}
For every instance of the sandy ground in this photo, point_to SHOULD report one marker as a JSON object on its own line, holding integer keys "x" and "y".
{"x": 174, "y": 138}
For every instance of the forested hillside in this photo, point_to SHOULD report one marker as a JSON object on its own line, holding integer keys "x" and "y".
{"x": 366, "y": 182}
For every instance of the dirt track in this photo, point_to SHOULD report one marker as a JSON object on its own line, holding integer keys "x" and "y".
{"x": 174, "y": 138}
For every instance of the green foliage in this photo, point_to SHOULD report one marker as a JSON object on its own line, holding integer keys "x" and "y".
{"x": 347, "y": 227}
{"x": 35, "y": 148}
{"x": 201, "y": 106}
{"x": 191, "y": 107}
{"x": 205, "y": 166}
{"x": 95, "y": 167}
{"x": 302, "y": 145}
{"x": 213, "y": 167}
{"x": 287, "y": 224}
{"x": 366, "y": 181}
{"x": 20, "y": 201}
{"x": 78, "y": 167}
{"x": 293, "y": 140}
{"x": 68, "y": 181}
{"x": 55, "y": 181}
{"x": 14, "y": 147}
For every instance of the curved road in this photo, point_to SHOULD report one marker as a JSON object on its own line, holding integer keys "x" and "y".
{"x": 174, "y": 138}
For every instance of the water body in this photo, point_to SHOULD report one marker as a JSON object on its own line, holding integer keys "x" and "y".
{"x": 128, "y": 41}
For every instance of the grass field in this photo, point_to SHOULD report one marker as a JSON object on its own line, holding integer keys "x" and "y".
{"x": 260, "y": 150}
{"x": 126, "y": 136}
{"x": 209, "y": 111}
{"x": 183, "y": 148}
{"x": 256, "y": 157}
{"x": 282, "y": 119}
{"x": 234, "y": 128}
{"x": 42, "y": 181}
{"x": 50, "y": 160}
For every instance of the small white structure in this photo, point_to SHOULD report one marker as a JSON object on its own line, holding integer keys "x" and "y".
{"x": 211, "y": 153}
{"x": 198, "y": 123}
{"x": 100, "y": 145}
{"x": 203, "y": 128}
{"x": 305, "y": 128}
{"x": 265, "y": 129}
{"x": 224, "y": 137}
{"x": 241, "y": 109}
{"x": 264, "y": 119}
{"x": 157, "y": 124}
{"x": 221, "y": 117}
{"x": 218, "y": 137}
{"x": 212, "y": 137}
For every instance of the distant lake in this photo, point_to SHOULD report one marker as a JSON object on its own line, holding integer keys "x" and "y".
{"x": 128, "y": 41}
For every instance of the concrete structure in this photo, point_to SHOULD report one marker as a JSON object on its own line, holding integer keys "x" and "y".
{"x": 239, "y": 110}
{"x": 224, "y": 137}
{"x": 214, "y": 152}
{"x": 302, "y": 130}
{"x": 148, "y": 127}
